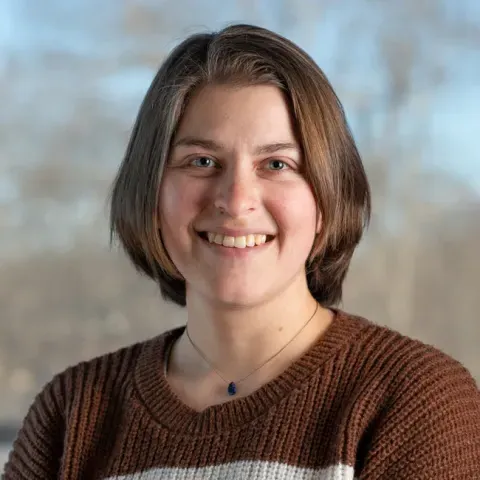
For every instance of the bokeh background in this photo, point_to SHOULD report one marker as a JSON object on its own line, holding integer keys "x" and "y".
{"x": 72, "y": 76}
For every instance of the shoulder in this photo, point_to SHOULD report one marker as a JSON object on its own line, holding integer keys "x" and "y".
{"x": 101, "y": 376}
{"x": 424, "y": 407}
{"x": 408, "y": 373}
{"x": 400, "y": 365}
{"x": 73, "y": 404}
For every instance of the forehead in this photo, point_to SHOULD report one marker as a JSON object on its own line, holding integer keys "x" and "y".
{"x": 257, "y": 113}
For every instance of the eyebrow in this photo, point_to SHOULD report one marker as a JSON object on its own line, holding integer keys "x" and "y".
{"x": 215, "y": 146}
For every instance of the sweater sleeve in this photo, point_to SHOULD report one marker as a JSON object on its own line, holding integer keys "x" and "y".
{"x": 38, "y": 448}
{"x": 430, "y": 428}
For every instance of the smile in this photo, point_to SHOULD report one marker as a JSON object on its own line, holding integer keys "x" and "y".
{"x": 244, "y": 241}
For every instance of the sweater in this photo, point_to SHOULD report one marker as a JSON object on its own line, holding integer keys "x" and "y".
{"x": 364, "y": 402}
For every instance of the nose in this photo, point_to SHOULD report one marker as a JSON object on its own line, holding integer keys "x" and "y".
{"x": 237, "y": 192}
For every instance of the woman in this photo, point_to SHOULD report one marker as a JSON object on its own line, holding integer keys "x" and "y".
{"x": 243, "y": 195}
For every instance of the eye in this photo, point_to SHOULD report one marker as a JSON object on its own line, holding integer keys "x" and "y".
{"x": 203, "y": 162}
{"x": 277, "y": 165}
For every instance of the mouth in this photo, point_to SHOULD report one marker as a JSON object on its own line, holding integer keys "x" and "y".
{"x": 243, "y": 241}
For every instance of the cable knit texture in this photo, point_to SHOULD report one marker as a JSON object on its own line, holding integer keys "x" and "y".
{"x": 364, "y": 402}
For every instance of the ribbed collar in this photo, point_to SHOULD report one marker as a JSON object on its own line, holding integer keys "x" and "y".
{"x": 167, "y": 409}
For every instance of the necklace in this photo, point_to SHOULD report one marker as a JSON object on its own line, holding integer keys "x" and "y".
{"x": 232, "y": 386}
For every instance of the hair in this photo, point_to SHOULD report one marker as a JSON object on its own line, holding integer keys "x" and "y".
{"x": 244, "y": 55}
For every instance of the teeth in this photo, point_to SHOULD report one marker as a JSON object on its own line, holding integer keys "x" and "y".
{"x": 259, "y": 239}
{"x": 240, "y": 242}
{"x": 228, "y": 241}
{"x": 237, "y": 242}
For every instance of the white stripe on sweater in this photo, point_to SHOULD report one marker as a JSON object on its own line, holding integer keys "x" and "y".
{"x": 245, "y": 470}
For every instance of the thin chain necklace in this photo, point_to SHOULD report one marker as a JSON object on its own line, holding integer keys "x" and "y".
{"x": 232, "y": 386}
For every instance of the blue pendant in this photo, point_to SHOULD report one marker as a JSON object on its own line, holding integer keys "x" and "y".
{"x": 232, "y": 388}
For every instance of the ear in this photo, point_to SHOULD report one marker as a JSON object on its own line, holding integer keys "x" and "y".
{"x": 319, "y": 223}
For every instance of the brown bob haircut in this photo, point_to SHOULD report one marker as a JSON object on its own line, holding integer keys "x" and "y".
{"x": 244, "y": 55}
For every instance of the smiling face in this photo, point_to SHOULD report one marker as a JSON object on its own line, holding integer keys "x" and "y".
{"x": 237, "y": 216}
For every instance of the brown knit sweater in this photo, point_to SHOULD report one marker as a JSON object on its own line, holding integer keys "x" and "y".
{"x": 363, "y": 403}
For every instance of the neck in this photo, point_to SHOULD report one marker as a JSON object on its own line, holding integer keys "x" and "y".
{"x": 237, "y": 340}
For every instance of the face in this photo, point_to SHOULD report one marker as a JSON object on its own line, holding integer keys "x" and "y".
{"x": 237, "y": 216}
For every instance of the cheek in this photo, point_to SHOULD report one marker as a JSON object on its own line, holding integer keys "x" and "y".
{"x": 181, "y": 202}
{"x": 175, "y": 202}
{"x": 171, "y": 217}
{"x": 296, "y": 217}
{"x": 296, "y": 212}
{"x": 174, "y": 219}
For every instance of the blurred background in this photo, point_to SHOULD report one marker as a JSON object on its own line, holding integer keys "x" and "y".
{"x": 72, "y": 76}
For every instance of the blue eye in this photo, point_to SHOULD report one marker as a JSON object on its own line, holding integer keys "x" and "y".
{"x": 277, "y": 165}
{"x": 203, "y": 162}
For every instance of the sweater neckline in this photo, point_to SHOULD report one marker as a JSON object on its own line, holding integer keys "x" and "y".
{"x": 168, "y": 410}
